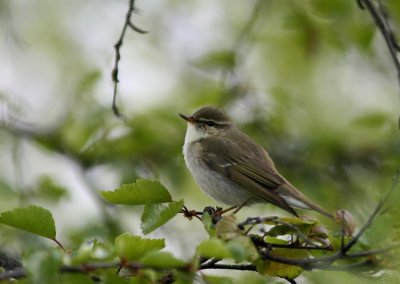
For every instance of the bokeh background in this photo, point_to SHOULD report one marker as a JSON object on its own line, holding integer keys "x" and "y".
{"x": 310, "y": 80}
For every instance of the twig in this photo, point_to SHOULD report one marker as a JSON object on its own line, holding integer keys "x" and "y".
{"x": 189, "y": 214}
{"x": 117, "y": 47}
{"x": 376, "y": 211}
{"x": 84, "y": 269}
{"x": 241, "y": 267}
{"x": 381, "y": 20}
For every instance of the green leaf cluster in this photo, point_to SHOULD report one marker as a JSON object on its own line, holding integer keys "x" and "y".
{"x": 157, "y": 201}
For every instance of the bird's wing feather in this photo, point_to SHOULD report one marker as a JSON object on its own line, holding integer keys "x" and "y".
{"x": 252, "y": 170}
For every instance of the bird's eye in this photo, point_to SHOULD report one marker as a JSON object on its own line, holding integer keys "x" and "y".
{"x": 210, "y": 123}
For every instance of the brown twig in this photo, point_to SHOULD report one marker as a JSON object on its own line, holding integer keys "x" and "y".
{"x": 381, "y": 18}
{"x": 189, "y": 214}
{"x": 117, "y": 47}
{"x": 241, "y": 267}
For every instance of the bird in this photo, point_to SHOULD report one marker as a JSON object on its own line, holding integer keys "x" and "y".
{"x": 232, "y": 168}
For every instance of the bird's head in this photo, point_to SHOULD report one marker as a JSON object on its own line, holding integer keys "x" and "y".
{"x": 206, "y": 122}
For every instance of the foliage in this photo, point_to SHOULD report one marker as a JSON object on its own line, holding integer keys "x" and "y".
{"x": 281, "y": 247}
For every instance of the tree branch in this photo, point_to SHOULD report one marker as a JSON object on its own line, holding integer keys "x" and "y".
{"x": 241, "y": 267}
{"x": 381, "y": 18}
{"x": 117, "y": 58}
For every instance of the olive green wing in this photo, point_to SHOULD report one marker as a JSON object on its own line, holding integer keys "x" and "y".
{"x": 248, "y": 166}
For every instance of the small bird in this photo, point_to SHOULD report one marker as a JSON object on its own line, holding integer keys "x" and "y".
{"x": 233, "y": 169}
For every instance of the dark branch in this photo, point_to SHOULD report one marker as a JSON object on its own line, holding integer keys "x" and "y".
{"x": 241, "y": 267}
{"x": 117, "y": 47}
{"x": 376, "y": 211}
{"x": 381, "y": 18}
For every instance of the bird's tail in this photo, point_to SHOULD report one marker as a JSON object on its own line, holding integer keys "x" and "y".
{"x": 298, "y": 200}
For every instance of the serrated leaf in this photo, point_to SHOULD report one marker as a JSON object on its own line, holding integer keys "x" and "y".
{"x": 213, "y": 248}
{"x": 138, "y": 193}
{"x": 33, "y": 219}
{"x": 156, "y": 215}
{"x": 161, "y": 259}
{"x": 130, "y": 247}
{"x": 279, "y": 269}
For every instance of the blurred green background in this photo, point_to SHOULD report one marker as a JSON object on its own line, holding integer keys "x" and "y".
{"x": 312, "y": 81}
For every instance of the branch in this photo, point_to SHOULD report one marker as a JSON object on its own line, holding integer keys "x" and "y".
{"x": 85, "y": 269}
{"x": 117, "y": 47}
{"x": 376, "y": 211}
{"x": 241, "y": 267}
{"x": 327, "y": 261}
{"x": 381, "y": 18}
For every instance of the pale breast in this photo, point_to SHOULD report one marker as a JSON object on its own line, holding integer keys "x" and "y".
{"x": 215, "y": 185}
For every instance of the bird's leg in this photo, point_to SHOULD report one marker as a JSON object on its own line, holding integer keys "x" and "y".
{"x": 240, "y": 206}
{"x": 227, "y": 210}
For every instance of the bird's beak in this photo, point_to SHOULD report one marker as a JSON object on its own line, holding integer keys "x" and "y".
{"x": 189, "y": 119}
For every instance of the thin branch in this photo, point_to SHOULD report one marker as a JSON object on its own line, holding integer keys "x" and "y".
{"x": 59, "y": 244}
{"x": 381, "y": 20}
{"x": 241, "y": 267}
{"x": 117, "y": 47}
{"x": 376, "y": 211}
{"x": 83, "y": 269}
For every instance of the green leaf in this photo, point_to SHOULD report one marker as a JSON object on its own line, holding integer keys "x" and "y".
{"x": 130, "y": 247}
{"x": 213, "y": 248}
{"x": 289, "y": 225}
{"x": 227, "y": 227}
{"x": 33, "y": 219}
{"x": 156, "y": 215}
{"x": 217, "y": 280}
{"x": 93, "y": 251}
{"x": 208, "y": 224}
{"x": 279, "y": 269}
{"x": 276, "y": 241}
{"x": 138, "y": 193}
{"x": 242, "y": 249}
{"x": 161, "y": 259}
